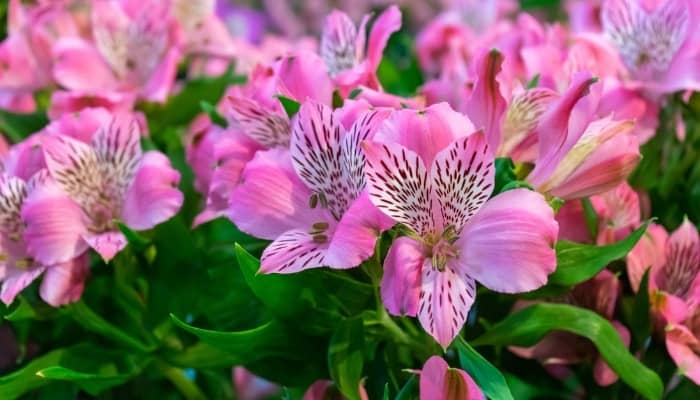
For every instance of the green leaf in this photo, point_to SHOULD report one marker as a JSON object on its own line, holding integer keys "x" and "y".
{"x": 534, "y": 82}
{"x": 31, "y": 311}
{"x": 505, "y": 173}
{"x": 579, "y": 262}
{"x": 488, "y": 377}
{"x": 291, "y": 107}
{"x": 409, "y": 391}
{"x": 591, "y": 216}
{"x": 138, "y": 242}
{"x": 385, "y": 396}
{"x": 213, "y": 113}
{"x": 18, "y": 126}
{"x": 354, "y": 93}
{"x": 640, "y": 322}
{"x": 92, "y": 383}
{"x": 316, "y": 300}
{"x": 345, "y": 357}
{"x": 529, "y": 325}
{"x": 516, "y": 185}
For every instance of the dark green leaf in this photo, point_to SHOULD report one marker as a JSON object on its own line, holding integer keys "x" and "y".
{"x": 354, "y": 93}
{"x": 579, "y": 262}
{"x": 345, "y": 357}
{"x": 640, "y": 322}
{"x": 138, "y": 242}
{"x": 505, "y": 174}
{"x": 516, "y": 185}
{"x": 18, "y": 126}
{"x": 527, "y": 326}
{"x": 591, "y": 216}
{"x": 291, "y": 107}
{"x": 316, "y": 300}
{"x": 213, "y": 113}
{"x": 534, "y": 82}
{"x": 409, "y": 391}
{"x": 488, "y": 377}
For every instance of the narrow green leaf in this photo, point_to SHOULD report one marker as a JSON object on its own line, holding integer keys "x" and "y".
{"x": 409, "y": 391}
{"x": 505, "y": 173}
{"x": 385, "y": 396}
{"x": 534, "y": 82}
{"x": 640, "y": 322}
{"x": 488, "y": 377}
{"x": 527, "y": 326}
{"x": 93, "y": 383}
{"x": 591, "y": 216}
{"x": 345, "y": 357}
{"x": 213, "y": 113}
{"x": 354, "y": 93}
{"x": 291, "y": 107}
{"x": 28, "y": 311}
{"x": 315, "y": 300}
{"x": 137, "y": 241}
{"x": 18, "y": 126}
{"x": 579, "y": 262}
{"x": 17, "y": 383}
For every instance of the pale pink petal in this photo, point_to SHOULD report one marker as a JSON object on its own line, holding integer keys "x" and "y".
{"x": 269, "y": 127}
{"x": 16, "y": 280}
{"x": 75, "y": 168}
{"x": 54, "y": 225}
{"x": 386, "y": 23}
{"x": 271, "y": 199}
{"x": 162, "y": 78}
{"x": 668, "y": 308}
{"x": 67, "y": 102}
{"x": 486, "y": 106}
{"x": 63, "y": 283}
{"x": 153, "y": 196}
{"x": 508, "y": 245}
{"x": 398, "y": 185}
{"x": 80, "y": 124}
{"x": 79, "y": 66}
{"x": 649, "y": 252}
{"x": 338, "y": 47}
{"x": 291, "y": 252}
{"x": 602, "y": 373}
{"x": 444, "y": 300}
{"x": 356, "y": 235}
{"x": 683, "y": 348}
{"x": 425, "y": 132}
{"x": 462, "y": 178}
{"x": 401, "y": 282}
{"x": 521, "y": 118}
{"x": 106, "y": 244}
{"x": 117, "y": 146}
{"x": 303, "y": 75}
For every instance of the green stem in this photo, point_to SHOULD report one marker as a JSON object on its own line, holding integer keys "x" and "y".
{"x": 184, "y": 385}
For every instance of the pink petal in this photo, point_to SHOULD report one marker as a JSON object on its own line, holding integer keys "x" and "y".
{"x": 599, "y": 293}
{"x": 79, "y": 66}
{"x": 106, "y": 244}
{"x": 398, "y": 185}
{"x": 117, "y": 146}
{"x": 427, "y": 131}
{"x": 649, "y": 252}
{"x": 387, "y": 23}
{"x": 54, "y": 225}
{"x": 486, "y": 107}
{"x": 356, "y": 235}
{"x": 557, "y": 348}
{"x": 507, "y": 245}
{"x": 74, "y": 166}
{"x": 16, "y": 280}
{"x": 602, "y": 373}
{"x": 401, "y": 284}
{"x": 268, "y": 127}
{"x": 682, "y": 261}
{"x": 304, "y": 75}
{"x": 64, "y": 283}
{"x": 153, "y": 196}
{"x": 317, "y": 391}
{"x": 271, "y": 199}
{"x": 251, "y": 387}
{"x": 522, "y": 116}
{"x": 682, "y": 345}
{"x": 338, "y": 47}
{"x": 80, "y": 124}
{"x": 462, "y": 178}
{"x": 440, "y": 382}
{"x": 444, "y": 301}
{"x": 162, "y": 78}
{"x": 291, "y": 252}
{"x": 67, "y": 102}
{"x": 572, "y": 223}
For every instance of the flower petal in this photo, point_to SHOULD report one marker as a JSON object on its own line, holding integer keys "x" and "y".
{"x": 507, "y": 245}
{"x": 153, "y": 196}
{"x": 398, "y": 185}
{"x": 462, "y": 178}
{"x": 681, "y": 345}
{"x": 79, "y": 66}
{"x": 401, "y": 282}
{"x": 386, "y": 23}
{"x": 293, "y": 251}
{"x": 649, "y": 252}
{"x": 303, "y": 75}
{"x": 16, "y": 280}
{"x": 338, "y": 42}
{"x": 270, "y": 128}
{"x": 444, "y": 301}
{"x": 74, "y": 167}
{"x": 602, "y": 373}
{"x": 106, "y": 244}
{"x": 486, "y": 106}
{"x": 118, "y": 149}
{"x": 63, "y": 283}
{"x": 682, "y": 261}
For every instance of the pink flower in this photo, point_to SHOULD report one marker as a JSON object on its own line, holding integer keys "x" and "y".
{"x": 310, "y": 200}
{"x": 657, "y": 40}
{"x": 440, "y": 382}
{"x": 250, "y": 387}
{"x": 66, "y": 102}
{"x": 201, "y": 30}
{"x": 63, "y": 281}
{"x": 581, "y": 155}
{"x": 683, "y": 344}
{"x": 133, "y": 50}
{"x": 326, "y": 390}
{"x": 92, "y": 184}
{"x": 456, "y": 236}
{"x": 343, "y": 47}
{"x": 561, "y": 348}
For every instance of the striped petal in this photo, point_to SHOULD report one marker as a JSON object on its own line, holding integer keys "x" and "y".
{"x": 462, "y": 179}
{"x": 339, "y": 42}
{"x": 267, "y": 127}
{"x": 444, "y": 301}
{"x": 13, "y": 191}
{"x": 293, "y": 251}
{"x": 682, "y": 261}
{"x": 398, "y": 185}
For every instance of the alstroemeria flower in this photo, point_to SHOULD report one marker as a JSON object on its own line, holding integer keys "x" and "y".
{"x": 456, "y": 237}
{"x": 343, "y": 47}
{"x": 326, "y": 390}
{"x": 657, "y": 41}
{"x": 95, "y": 183}
{"x": 674, "y": 278}
{"x": 559, "y": 349}
{"x": 63, "y": 282}
{"x": 440, "y": 382}
{"x": 201, "y": 29}
{"x": 581, "y": 155}
{"x": 248, "y": 386}
{"x": 311, "y": 202}
{"x": 683, "y": 343}
{"x": 133, "y": 51}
